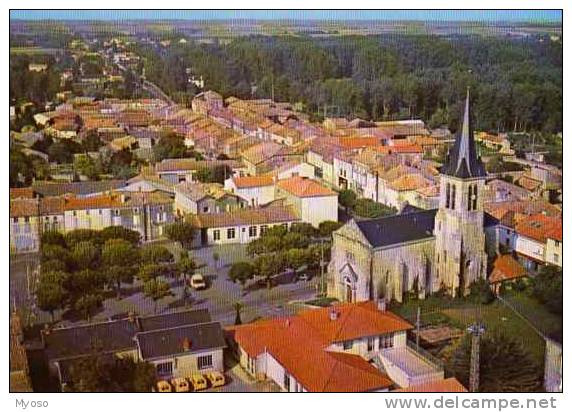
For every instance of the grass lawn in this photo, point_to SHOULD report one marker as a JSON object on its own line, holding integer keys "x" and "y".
{"x": 496, "y": 316}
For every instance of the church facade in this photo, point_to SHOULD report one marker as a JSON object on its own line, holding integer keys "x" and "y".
{"x": 420, "y": 252}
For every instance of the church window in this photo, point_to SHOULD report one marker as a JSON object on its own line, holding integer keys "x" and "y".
{"x": 453, "y": 195}
{"x": 447, "y": 195}
{"x": 470, "y": 198}
{"x": 474, "y": 197}
{"x": 445, "y": 256}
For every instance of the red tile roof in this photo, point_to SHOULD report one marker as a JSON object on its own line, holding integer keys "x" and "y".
{"x": 304, "y": 187}
{"x": 540, "y": 227}
{"x": 506, "y": 267}
{"x": 253, "y": 181}
{"x": 244, "y": 217}
{"x": 445, "y": 385}
{"x": 300, "y": 344}
{"x": 399, "y": 149}
{"x": 95, "y": 202}
{"x": 21, "y": 193}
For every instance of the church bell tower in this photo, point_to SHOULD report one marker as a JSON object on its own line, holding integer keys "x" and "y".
{"x": 460, "y": 257}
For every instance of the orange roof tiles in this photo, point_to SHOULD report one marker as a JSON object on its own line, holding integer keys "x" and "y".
{"x": 95, "y": 202}
{"x": 21, "y": 193}
{"x": 358, "y": 142}
{"x": 505, "y": 267}
{"x": 448, "y": 385}
{"x": 540, "y": 227}
{"x": 300, "y": 344}
{"x": 24, "y": 207}
{"x": 304, "y": 187}
{"x": 253, "y": 181}
{"x": 410, "y": 182}
{"x": 243, "y": 217}
{"x": 399, "y": 149}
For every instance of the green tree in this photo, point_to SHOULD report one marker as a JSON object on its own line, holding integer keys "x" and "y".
{"x": 52, "y": 237}
{"x": 120, "y": 258}
{"x": 155, "y": 254}
{"x": 50, "y": 292}
{"x": 327, "y": 227}
{"x": 87, "y": 304}
{"x": 156, "y": 290}
{"x": 170, "y": 146}
{"x": 547, "y": 288}
{"x": 241, "y": 272}
{"x": 183, "y": 232}
{"x": 85, "y": 255}
{"x": 347, "y": 198}
{"x": 480, "y": 292}
{"x": 505, "y": 366}
{"x": 120, "y": 232}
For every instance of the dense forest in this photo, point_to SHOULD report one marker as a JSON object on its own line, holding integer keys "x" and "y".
{"x": 516, "y": 83}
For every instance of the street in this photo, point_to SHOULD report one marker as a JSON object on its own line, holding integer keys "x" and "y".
{"x": 220, "y": 296}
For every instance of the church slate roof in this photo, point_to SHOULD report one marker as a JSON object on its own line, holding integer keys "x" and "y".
{"x": 462, "y": 160}
{"x": 397, "y": 229}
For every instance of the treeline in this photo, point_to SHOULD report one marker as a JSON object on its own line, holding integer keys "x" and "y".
{"x": 516, "y": 83}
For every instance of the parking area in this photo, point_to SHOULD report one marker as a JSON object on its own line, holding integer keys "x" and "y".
{"x": 219, "y": 297}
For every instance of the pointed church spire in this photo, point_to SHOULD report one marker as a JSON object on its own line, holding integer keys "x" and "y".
{"x": 462, "y": 161}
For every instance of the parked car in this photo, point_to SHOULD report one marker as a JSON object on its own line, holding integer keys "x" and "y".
{"x": 180, "y": 385}
{"x": 215, "y": 378}
{"x": 199, "y": 382}
{"x": 304, "y": 277}
{"x": 164, "y": 386}
{"x": 198, "y": 281}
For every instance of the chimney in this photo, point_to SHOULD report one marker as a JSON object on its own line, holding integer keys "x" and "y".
{"x": 186, "y": 344}
{"x": 381, "y": 305}
{"x": 334, "y": 315}
{"x": 287, "y": 322}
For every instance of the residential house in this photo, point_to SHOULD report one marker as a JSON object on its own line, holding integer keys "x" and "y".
{"x": 184, "y": 170}
{"x": 178, "y": 344}
{"x": 313, "y": 202}
{"x": 255, "y": 190}
{"x": 240, "y": 226}
{"x": 506, "y": 269}
{"x": 266, "y": 156}
{"x": 197, "y": 198}
{"x": 354, "y": 347}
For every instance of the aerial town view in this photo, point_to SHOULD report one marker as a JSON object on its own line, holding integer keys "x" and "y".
{"x": 294, "y": 201}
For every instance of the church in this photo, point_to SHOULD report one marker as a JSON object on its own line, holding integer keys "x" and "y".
{"x": 422, "y": 252}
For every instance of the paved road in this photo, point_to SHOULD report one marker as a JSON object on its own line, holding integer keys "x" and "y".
{"x": 219, "y": 298}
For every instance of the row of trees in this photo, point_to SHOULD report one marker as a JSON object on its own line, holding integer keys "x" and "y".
{"x": 363, "y": 207}
{"x": 516, "y": 83}
{"x": 78, "y": 269}
{"x": 279, "y": 249}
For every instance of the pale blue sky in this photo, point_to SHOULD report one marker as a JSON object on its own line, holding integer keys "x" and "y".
{"x": 422, "y": 15}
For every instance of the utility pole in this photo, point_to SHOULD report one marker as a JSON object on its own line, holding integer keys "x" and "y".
{"x": 476, "y": 330}
{"x": 322, "y": 266}
{"x": 418, "y": 326}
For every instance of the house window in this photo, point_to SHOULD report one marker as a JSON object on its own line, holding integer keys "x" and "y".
{"x": 348, "y": 344}
{"x": 556, "y": 257}
{"x": 216, "y": 234}
{"x": 286, "y": 381}
{"x": 87, "y": 212}
{"x": 205, "y": 362}
{"x": 205, "y": 209}
{"x": 350, "y": 256}
{"x": 252, "y": 231}
{"x": 453, "y": 196}
{"x": 557, "y": 243}
{"x": 165, "y": 369}
{"x": 386, "y": 341}
{"x": 100, "y": 211}
{"x": 136, "y": 210}
{"x": 15, "y": 220}
{"x": 447, "y": 195}
{"x": 318, "y": 172}
{"x": 230, "y": 233}
{"x": 370, "y": 342}
{"x": 263, "y": 229}
{"x": 116, "y": 212}
{"x": 475, "y": 197}
{"x": 27, "y": 219}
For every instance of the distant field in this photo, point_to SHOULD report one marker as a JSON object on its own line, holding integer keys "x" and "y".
{"x": 32, "y": 50}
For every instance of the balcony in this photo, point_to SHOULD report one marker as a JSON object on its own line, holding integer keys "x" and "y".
{"x": 408, "y": 366}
